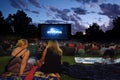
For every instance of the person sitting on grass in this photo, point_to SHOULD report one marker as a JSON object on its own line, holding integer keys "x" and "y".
{"x": 52, "y": 58}
{"x": 18, "y": 64}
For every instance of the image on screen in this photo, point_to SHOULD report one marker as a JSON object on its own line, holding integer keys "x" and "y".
{"x": 54, "y": 31}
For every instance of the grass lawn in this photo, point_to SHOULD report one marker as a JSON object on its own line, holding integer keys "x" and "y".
{"x": 4, "y": 60}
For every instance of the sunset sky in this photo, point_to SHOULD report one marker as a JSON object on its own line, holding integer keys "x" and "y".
{"x": 81, "y": 13}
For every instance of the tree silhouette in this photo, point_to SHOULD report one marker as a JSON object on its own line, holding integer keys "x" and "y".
{"x": 21, "y": 22}
{"x": 2, "y": 21}
{"x": 9, "y": 24}
{"x": 116, "y": 28}
{"x": 94, "y": 32}
{"x": 32, "y": 31}
{"x": 78, "y": 36}
{"x": 114, "y": 34}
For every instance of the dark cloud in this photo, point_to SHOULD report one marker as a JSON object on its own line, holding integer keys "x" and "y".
{"x": 63, "y": 17}
{"x": 110, "y": 10}
{"x": 77, "y": 27}
{"x": 79, "y": 11}
{"x": 35, "y": 3}
{"x": 65, "y": 11}
{"x": 54, "y": 21}
{"x": 27, "y": 9}
{"x": 63, "y": 14}
{"x": 36, "y": 12}
{"x": 54, "y": 9}
{"x": 20, "y": 4}
{"x": 87, "y": 1}
{"x": 23, "y": 4}
{"x": 75, "y": 17}
{"x": 76, "y": 23}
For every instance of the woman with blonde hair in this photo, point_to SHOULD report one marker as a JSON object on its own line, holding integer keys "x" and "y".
{"x": 20, "y": 54}
{"x": 52, "y": 58}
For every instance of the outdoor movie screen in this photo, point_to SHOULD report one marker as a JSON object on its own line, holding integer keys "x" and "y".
{"x": 54, "y": 31}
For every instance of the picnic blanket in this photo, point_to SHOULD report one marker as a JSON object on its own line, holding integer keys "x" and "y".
{"x": 31, "y": 75}
{"x": 93, "y": 72}
{"x": 92, "y": 60}
{"x": 37, "y": 76}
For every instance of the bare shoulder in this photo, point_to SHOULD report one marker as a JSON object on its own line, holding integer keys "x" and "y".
{"x": 27, "y": 52}
{"x": 15, "y": 50}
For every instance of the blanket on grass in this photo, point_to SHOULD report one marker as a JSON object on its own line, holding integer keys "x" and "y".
{"x": 31, "y": 75}
{"x": 93, "y": 60}
{"x": 37, "y": 76}
{"x": 93, "y": 72}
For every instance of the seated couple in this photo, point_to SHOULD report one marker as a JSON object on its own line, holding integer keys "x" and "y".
{"x": 49, "y": 63}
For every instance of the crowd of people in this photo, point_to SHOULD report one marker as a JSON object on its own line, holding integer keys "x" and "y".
{"x": 49, "y": 54}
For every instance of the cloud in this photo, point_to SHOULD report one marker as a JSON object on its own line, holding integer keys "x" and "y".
{"x": 23, "y": 4}
{"x": 27, "y": 9}
{"x": 87, "y": 1}
{"x": 79, "y": 11}
{"x": 20, "y": 4}
{"x": 74, "y": 17}
{"x": 63, "y": 14}
{"x": 35, "y": 3}
{"x": 109, "y": 27}
{"x": 65, "y": 11}
{"x": 54, "y": 21}
{"x": 76, "y": 23}
{"x": 77, "y": 27}
{"x": 110, "y": 10}
{"x": 63, "y": 17}
{"x": 36, "y": 12}
{"x": 33, "y": 11}
{"x": 54, "y": 9}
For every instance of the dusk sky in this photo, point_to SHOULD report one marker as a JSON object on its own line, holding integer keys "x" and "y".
{"x": 81, "y": 13}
